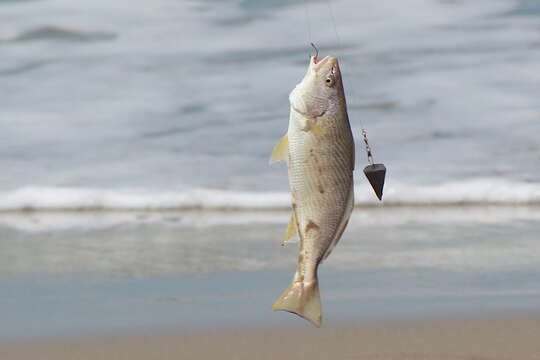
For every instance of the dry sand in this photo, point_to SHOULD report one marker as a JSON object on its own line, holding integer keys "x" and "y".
{"x": 474, "y": 339}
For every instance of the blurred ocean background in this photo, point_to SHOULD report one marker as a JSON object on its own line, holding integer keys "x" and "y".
{"x": 177, "y": 104}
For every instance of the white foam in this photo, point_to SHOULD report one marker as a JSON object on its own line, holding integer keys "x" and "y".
{"x": 476, "y": 191}
{"x": 448, "y": 239}
{"x": 46, "y": 221}
{"x": 479, "y": 191}
{"x": 56, "y": 198}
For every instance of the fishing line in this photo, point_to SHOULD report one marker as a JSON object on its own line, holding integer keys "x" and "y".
{"x": 375, "y": 173}
{"x": 333, "y": 19}
{"x": 308, "y": 21}
{"x": 341, "y": 50}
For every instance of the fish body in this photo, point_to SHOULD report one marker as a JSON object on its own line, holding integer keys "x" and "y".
{"x": 319, "y": 150}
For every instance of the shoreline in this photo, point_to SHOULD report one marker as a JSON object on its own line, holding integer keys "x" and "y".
{"x": 384, "y": 215}
{"x": 83, "y": 273}
{"x": 262, "y": 210}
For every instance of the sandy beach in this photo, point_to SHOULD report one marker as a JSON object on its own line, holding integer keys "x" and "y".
{"x": 472, "y": 338}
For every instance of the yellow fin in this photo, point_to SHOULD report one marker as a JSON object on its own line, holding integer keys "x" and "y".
{"x": 281, "y": 150}
{"x": 302, "y": 299}
{"x": 316, "y": 130}
{"x": 291, "y": 230}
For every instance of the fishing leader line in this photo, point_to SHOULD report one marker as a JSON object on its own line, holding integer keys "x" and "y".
{"x": 375, "y": 173}
{"x": 308, "y": 22}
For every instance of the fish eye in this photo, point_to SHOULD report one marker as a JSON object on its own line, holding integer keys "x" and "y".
{"x": 330, "y": 81}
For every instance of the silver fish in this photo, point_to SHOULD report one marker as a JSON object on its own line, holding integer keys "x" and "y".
{"x": 319, "y": 151}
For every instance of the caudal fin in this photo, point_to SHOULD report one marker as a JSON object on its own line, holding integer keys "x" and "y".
{"x": 302, "y": 299}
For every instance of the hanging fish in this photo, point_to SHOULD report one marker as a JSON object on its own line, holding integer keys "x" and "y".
{"x": 319, "y": 151}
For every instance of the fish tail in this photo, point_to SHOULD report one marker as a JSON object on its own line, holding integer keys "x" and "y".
{"x": 303, "y": 299}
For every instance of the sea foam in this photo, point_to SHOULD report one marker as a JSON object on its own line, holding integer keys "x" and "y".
{"x": 478, "y": 191}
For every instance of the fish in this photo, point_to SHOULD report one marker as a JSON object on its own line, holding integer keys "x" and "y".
{"x": 320, "y": 155}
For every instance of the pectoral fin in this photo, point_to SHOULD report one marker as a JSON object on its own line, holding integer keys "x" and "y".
{"x": 281, "y": 150}
{"x": 291, "y": 230}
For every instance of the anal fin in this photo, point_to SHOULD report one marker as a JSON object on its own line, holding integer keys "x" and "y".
{"x": 291, "y": 230}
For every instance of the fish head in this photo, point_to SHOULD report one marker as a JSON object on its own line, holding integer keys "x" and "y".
{"x": 321, "y": 90}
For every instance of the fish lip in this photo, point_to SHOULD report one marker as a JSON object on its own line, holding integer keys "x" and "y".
{"x": 327, "y": 62}
{"x": 315, "y": 60}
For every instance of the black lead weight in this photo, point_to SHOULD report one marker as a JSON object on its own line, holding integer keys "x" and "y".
{"x": 375, "y": 174}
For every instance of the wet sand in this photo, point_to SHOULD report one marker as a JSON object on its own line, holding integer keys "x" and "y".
{"x": 473, "y": 338}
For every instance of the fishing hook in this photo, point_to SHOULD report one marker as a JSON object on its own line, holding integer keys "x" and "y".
{"x": 316, "y": 50}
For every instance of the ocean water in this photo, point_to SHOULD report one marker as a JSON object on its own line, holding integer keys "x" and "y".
{"x": 175, "y": 104}
{"x": 194, "y": 271}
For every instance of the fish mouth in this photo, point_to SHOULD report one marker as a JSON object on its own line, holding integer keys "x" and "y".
{"x": 328, "y": 63}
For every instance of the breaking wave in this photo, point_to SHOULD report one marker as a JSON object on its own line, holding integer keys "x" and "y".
{"x": 480, "y": 191}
